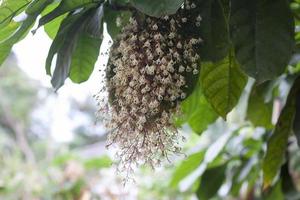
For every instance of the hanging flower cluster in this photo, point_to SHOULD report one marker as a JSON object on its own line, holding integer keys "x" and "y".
{"x": 146, "y": 80}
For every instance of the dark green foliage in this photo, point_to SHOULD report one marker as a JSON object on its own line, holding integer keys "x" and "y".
{"x": 278, "y": 142}
{"x": 262, "y": 52}
{"x": 213, "y": 30}
{"x": 211, "y": 181}
{"x": 222, "y": 83}
{"x": 259, "y": 105}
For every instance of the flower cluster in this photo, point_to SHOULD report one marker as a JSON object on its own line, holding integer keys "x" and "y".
{"x": 146, "y": 80}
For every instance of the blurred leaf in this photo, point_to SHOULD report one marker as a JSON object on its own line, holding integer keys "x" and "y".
{"x": 213, "y": 30}
{"x": 259, "y": 111}
{"x": 119, "y": 2}
{"x": 98, "y": 163}
{"x": 288, "y": 187}
{"x": 194, "y": 108}
{"x": 262, "y": 52}
{"x": 61, "y": 160}
{"x": 296, "y": 125}
{"x": 222, "y": 84}
{"x": 275, "y": 193}
{"x": 187, "y": 166}
{"x": 252, "y": 147}
{"x": 211, "y": 181}
{"x": 67, "y": 6}
{"x": 242, "y": 175}
{"x": 157, "y": 8}
{"x": 277, "y": 144}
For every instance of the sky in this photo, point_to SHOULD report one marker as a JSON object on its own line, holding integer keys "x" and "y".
{"x": 31, "y": 54}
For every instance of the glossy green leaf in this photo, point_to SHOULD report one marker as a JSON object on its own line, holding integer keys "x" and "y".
{"x": 194, "y": 108}
{"x": 211, "y": 181}
{"x": 277, "y": 144}
{"x": 262, "y": 52}
{"x": 222, "y": 84}
{"x": 67, "y": 6}
{"x": 260, "y": 111}
{"x": 187, "y": 166}
{"x": 213, "y": 30}
{"x": 84, "y": 58}
{"x": 157, "y": 8}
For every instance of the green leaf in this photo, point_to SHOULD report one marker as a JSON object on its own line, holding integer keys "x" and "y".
{"x": 194, "y": 108}
{"x": 20, "y": 33}
{"x": 111, "y": 17}
{"x": 63, "y": 45}
{"x": 187, "y": 166}
{"x": 8, "y": 30}
{"x": 84, "y": 57}
{"x": 66, "y": 6}
{"x": 36, "y": 5}
{"x": 213, "y": 30}
{"x": 259, "y": 111}
{"x": 156, "y": 8}
{"x": 277, "y": 144}
{"x": 94, "y": 24}
{"x": 262, "y": 52}
{"x": 211, "y": 181}
{"x": 222, "y": 83}
{"x": 7, "y": 44}
{"x": 72, "y": 36}
{"x": 62, "y": 67}
{"x": 10, "y": 8}
{"x": 52, "y": 27}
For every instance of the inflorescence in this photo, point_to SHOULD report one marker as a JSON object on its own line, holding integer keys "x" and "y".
{"x": 146, "y": 80}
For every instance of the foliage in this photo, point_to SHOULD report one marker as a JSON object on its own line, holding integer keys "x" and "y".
{"x": 243, "y": 40}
